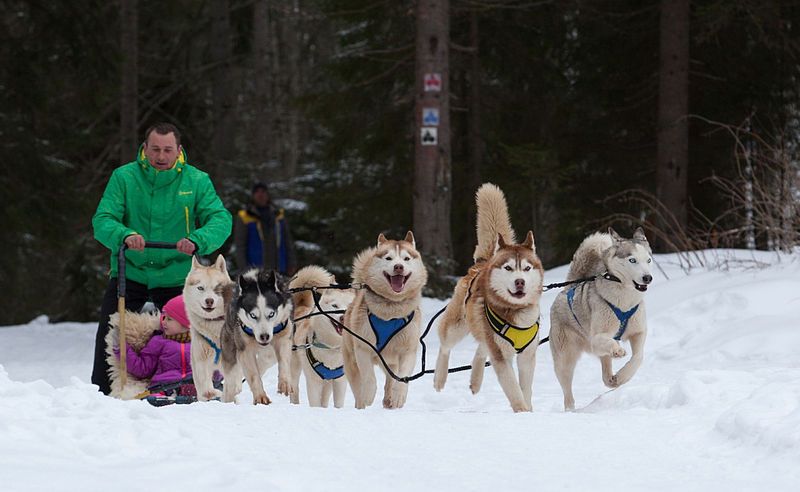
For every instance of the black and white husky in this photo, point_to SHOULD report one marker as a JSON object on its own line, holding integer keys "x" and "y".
{"x": 256, "y": 334}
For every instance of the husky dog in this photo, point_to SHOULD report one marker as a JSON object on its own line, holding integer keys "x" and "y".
{"x": 256, "y": 334}
{"x": 386, "y": 313}
{"x": 205, "y": 307}
{"x": 596, "y": 316}
{"x": 319, "y": 338}
{"x": 497, "y": 301}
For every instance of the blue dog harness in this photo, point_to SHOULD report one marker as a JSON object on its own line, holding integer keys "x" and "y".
{"x": 622, "y": 316}
{"x": 321, "y": 369}
{"x": 385, "y": 329}
{"x": 217, "y": 350}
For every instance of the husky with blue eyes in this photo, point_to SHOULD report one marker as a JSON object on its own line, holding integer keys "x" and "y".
{"x": 256, "y": 334}
{"x": 597, "y": 316}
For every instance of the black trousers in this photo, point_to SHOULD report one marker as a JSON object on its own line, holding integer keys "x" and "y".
{"x": 136, "y": 295}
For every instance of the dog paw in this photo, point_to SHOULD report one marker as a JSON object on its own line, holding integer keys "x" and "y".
{"x": 284, "y": 388}
{"x": 211, "y": 394}
{"x": 438, "y": 383}
{"x": 618, "y": 351}
{"x": 611, "y": 381}
{"x": 261, "y": 399}
{"x": 520, "y": 407}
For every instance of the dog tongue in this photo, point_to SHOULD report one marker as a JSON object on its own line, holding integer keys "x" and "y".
{"x": 397, "y": 281}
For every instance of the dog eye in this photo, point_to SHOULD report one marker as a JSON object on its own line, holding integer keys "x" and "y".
{"x": 201, "y": 288}
{"x": 388, "y": 258}
{"x": 252, "y": 315}
{"x": 271, "y": 314}
{"x": 508, "y": 268}
{"x": 632, "y": 260}
{"x": 406, "y": 259}
{"x": 528, "y": 268}
{"x": 649, "y": 260}
{"x": 335, "y": 306}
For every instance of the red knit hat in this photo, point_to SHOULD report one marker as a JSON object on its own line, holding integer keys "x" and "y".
{"x": 176, "y": 310}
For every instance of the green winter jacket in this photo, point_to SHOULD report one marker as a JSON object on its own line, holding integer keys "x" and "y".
{"x": 161, "y": 206}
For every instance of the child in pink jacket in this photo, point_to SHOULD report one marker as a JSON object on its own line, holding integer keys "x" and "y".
{"x": 166, "y": 357}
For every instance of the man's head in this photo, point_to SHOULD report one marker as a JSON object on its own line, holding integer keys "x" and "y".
{"x": 260, "y": 195}
{"x": 162, "y": 145}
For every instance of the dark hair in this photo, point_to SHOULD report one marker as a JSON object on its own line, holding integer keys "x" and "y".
{"x": 259, "y": 185}
{"x": 163, "y": 129}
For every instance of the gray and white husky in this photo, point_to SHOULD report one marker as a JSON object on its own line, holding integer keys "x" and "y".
{"x": 596, "y": 316}
{"x": 256, "y": 334}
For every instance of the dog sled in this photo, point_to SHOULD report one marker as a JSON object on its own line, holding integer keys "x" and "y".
{"x": 135, "y": 329}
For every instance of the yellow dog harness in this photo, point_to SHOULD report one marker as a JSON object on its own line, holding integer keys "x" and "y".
{"x": 518, "y": 337}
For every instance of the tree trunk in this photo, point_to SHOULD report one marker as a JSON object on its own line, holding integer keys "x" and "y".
{"x": 221, "y": 88}
{"x": 129, "y": 107}
{"x": 432, "y": 178}
{"x": 293, "y": 39}
{"x": 475, "y": 140}
{"x": 673, "y": 108}
{"x": 264, "y": 110}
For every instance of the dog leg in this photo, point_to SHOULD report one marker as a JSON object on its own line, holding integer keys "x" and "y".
{"x": 478, "y": 367}
{"x": 508, "y": 381}
{"x": 629, "y": 369}
{"x": 325, "y": 397}
{"x": 526, "y": 363}
{"x": 296, "y": 366}
{"x": 314, "y": 389}
{"x": 398, "y": 392}
{"x": 233, "y": 382}
{"x": 339, "y": 389}
{"x": 351, "y": 368}
{"x": 603, "y": 345}
{"x": 369, "y": 385}
{"x": 251, "y": 372}
{"x": 609, "y": 379}
{"x": 202, "y": 371}
{"x": 565, "y": 358}
{"x": 450, "y": 334}
{"x": 283, "y": 352}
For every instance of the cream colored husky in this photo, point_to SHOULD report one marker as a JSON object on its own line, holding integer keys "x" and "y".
{"x": 319, "y": 338}
{"x": 596, "y": 317}
{"x": 386, "y": 313}
{"x": 203, "y": 297}
{"x": 498, "y": 302}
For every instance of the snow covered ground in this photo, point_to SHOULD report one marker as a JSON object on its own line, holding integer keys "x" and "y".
{"x": 715, "y": 406}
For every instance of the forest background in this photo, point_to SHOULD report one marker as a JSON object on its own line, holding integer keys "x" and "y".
{"x": 678, "y": 116}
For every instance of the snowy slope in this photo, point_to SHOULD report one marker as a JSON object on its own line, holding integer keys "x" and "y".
{"x": 715, "y": 406}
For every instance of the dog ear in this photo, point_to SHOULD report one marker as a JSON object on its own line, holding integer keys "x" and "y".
{"x": 220, "y": 264}
{"x": 529, "y": 241}
{"x": 195, "y": 262}
{"x": 381, "y": 239}
{"x": 614, "y": 235}
{"x": 500, "y": 243}
{"x": 638, "y": 235}
{"x": 410, "y": 239}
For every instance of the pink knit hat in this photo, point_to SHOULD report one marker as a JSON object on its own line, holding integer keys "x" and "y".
{"x": 176, "y": 310}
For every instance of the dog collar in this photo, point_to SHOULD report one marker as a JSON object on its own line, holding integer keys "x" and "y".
{"x": 611, "y": 277}
{"x": 519, "y": 337}
{"x": 385, "y": 329}
{"x": 249, "y": 331}
{"x": 321, "y": 369}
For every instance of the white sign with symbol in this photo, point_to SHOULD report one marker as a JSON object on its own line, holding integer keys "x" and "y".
{"x": 428, "y": 135}
{"x": 430, "y": 116}
{"x": 433, "y": 82}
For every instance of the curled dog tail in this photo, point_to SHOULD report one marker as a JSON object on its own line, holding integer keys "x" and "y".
{"x": 310, "y": 276}
{"x": 492, "y": 220}
{"x": 588, "y": 258}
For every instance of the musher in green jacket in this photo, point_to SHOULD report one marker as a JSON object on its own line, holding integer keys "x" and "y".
{"x": 158, "y": 197}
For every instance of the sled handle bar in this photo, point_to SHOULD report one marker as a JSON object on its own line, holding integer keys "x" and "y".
{"x": 121, "y": 261}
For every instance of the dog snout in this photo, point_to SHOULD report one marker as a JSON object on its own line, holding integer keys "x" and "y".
{"x": 264, "y": 338}
{"x": 647, "y": 279}
{"x": 209, "y": 302}
{"x": 398, "y": 269}
{"x": 519, "y": 283}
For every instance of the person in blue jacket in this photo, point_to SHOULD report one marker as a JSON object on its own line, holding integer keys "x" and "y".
{"x": 261, "y": 235}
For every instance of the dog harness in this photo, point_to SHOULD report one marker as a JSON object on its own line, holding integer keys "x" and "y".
{"x": 217, "y": 350}
{"x": 275, "y": 329}
{"x": 519, "y": 337}
{"x": 622, "y": 316}
{"x": 385, "y": 329}
{"x": 321, "y": 369}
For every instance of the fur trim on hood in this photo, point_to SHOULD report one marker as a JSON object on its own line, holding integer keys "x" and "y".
{"x": 139, "y": 327}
